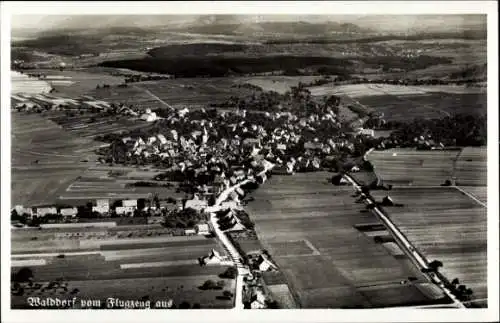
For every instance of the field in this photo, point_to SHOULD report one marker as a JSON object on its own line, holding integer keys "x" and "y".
{"x": 92, "y": 125}
{"x": 467, "y": 166}
{"x": 194, "y": 92}
{"x": 106, "y": 266}
{"x": 177, "y": 93}
{"x": 79, "y": 82}
{"x": 426, "y": 106}
{"x": 408, "y": 102}
{"x": 44, "y": 158}
{"x": 472, "y": 167}
{"x": 446, "y": 225}
{"x": 96, "y": 182}
{"x": 371, "y": 90}
{"x": 479, "y": 192}
{"x": 307, "y": 225}
{"x": 414, "y": 167}
{"x": 61, "y": 174}
{"x": 280, "y": 84}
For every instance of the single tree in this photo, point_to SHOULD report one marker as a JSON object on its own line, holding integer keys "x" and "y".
{"x": 184, "y": 305}
{"x": 435, "y": 265}
{"x": 24, "y": 274}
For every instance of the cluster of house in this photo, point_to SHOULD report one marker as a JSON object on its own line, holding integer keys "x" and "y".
{"x": 46, "y": 210}
{"x": 214, "y": 258}
{"x": 193, "y": 142}
{"x": 424, "y": 141}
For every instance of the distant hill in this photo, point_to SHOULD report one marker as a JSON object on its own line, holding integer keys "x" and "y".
{"x": 299, "y": 28}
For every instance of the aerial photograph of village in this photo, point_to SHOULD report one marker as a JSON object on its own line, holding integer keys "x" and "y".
{"x": 248, "y": 162}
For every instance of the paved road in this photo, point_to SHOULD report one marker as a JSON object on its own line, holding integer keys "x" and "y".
{"x": 409, "y": 249}
{"x": 242, "y": 269}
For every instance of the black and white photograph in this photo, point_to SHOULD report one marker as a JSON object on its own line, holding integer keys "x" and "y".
{"x": 249, "y": 161}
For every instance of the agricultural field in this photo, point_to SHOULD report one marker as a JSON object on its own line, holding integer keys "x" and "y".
{"x": 370, "y": 90}
{"x": 73, "y": 83}
{"x": 280, "y": 84}
{"x": 308, "y": 227}
{"x": 401, "y": 166}
{"x": 413, "y": 167}
{"x": 102, "y": 266}
{"x": 472, "y": 167}
{"x": 425, "y": 106}
{"x": 397, "y": 102}
{"x": 479, "y": 192}
{"x": 177, "y": 92}
{"x": 445, "y": 224}
{"x": 111, "y": 182}
{"x": 45, "y": 158}
{"x": 92, "y": 125}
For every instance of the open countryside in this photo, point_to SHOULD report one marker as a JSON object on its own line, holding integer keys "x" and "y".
{"x": 224, "y": 163}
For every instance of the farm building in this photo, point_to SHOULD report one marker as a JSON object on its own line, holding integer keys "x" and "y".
{"x": 149, "y": 116}
{"x": 22, "y": 210}
{"x": 19, "y": 209}
{"x": 265, "y": 264}
{"x": 130, "y": 203}
{"x": 203, "y": 229}
{"x": 42, "y": 211}
{"x": 259, "y": 300}
{"x": 103, "y": 203}
{"x": 196, "y": 203}
{"x": 366, "y": 132}
{"x": 100, "y": 209}
{"x": 190, "y": 232}
{"x": 281, "y": 147}
{"x": 123, "y": 210}
{"x": 69, "y": 212}
{"x": 213, "y": 258}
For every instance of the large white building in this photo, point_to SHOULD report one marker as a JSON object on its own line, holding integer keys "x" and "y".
{"x": 130, "y": 203}
{"x": 196, "y": 203}
{"x": 69, "y": 212}
{"x": 123, "y": 210}
{"x": 42, "y": 211}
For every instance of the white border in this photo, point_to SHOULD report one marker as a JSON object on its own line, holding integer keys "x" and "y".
{"x": 298, "y": 8}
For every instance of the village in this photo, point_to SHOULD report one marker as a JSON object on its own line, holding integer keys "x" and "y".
{"x": 217, "y": 158}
